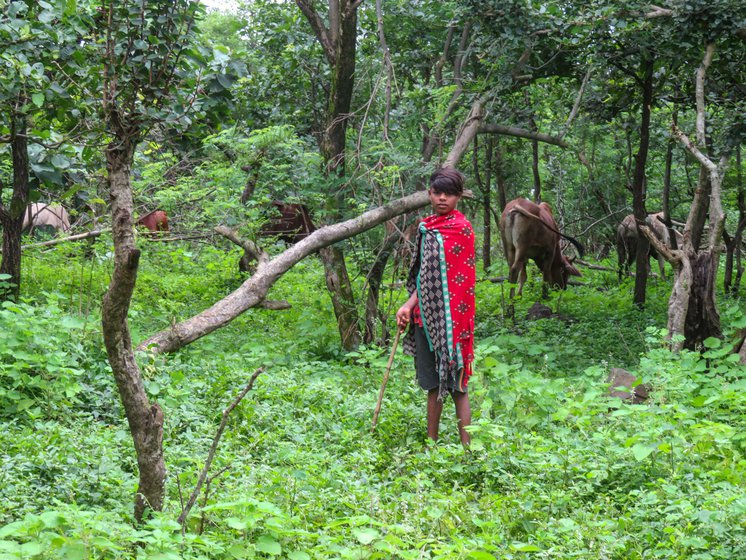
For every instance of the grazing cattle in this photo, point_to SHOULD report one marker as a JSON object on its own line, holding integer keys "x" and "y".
{"x": 293, "y": 223}
{"x": 40, "y": 215}
{"x": 528, "y": 231}
{"x": 156, "y": 221}
{"x": 626, "y": 241}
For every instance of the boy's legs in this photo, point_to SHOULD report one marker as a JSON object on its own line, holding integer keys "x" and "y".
{"x": 463, "y": 413}
{"x": 434, "y": 409}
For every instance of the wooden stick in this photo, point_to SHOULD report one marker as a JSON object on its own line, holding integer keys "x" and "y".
{"x": 385, "y": 379}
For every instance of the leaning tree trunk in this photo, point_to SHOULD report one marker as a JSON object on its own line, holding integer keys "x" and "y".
{"x": 253, "y": 291}
{"x": 145, "y": 419}
{"x": 12, "y": 218}
{"x": 638, "y": 185}
{"x": 692, "y": 309}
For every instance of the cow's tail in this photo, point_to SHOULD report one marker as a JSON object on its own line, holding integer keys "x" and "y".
{"x": 578, "y": 244}
{"x": 522, "y": 211}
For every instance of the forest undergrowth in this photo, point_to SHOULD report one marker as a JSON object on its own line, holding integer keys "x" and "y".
{"x": 557, "y": 468}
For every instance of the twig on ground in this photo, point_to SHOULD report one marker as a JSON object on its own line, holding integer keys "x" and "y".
{"x": 214, "y": 446}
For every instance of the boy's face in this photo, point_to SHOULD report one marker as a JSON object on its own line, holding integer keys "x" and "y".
{"x": 443, "y": 203}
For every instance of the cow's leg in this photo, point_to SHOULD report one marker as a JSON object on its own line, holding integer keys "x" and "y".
{"x": 621, "y": 255}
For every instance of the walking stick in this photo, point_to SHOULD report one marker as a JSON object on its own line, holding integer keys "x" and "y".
{"x": 385, "y": 379}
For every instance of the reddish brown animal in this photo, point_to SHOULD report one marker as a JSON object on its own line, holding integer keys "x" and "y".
{"x": 528, "y": 231}
{"x": 40, "y": 215}
{"x": 291, "y": 223}
{"x": 626, "y": 242}
{"x": 155, "y": 221}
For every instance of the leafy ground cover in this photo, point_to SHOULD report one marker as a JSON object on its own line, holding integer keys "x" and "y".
{"x": 557, "y": 468}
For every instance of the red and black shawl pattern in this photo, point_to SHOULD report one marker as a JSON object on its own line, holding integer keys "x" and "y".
{"x": 443, "y": 273}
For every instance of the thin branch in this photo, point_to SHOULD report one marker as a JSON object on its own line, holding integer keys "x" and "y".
{"x": 77, "y": 237}
{"x": 317, "y": 24}
{"x": 214, "y": 446}
{"x": 576, "y": 106}
{"x": 247, "y": 245}
{"x": 700, "y": 93}
{"x": 692, "y": 148}
{"x": 523, "y": 133}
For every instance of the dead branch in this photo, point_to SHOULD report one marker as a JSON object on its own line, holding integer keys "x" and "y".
{"x": 77, "y": 237}
{"x": 214, "y": 447}
{"x": 186, "y": 237}
{"x": 586, "y": 264}
{"x": 251, "y": 248}
{"x": 275, "y": 305}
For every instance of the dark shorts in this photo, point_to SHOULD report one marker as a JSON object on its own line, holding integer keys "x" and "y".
{"x": 424, "y": 364}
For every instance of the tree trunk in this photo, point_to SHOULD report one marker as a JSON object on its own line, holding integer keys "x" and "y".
{"x": 339, "y": 42}
{"x": 145, "y": 419}
{"x": 487, "y": 202}
{"x": 702, "y": 318}
{"x": 12, "y": 217}
{"x": 343, "y": 300}
{"x": 638, "y": 185}
{"x": 375, "y": 279}
{"x": 692, "y": 307}
{"x": 733, "y": 245}
{"x": 502, "y": 192}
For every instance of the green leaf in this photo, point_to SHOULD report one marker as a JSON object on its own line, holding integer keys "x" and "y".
{"x": 712, "y": 342}
{"x": 298, "y": 555}
{"x": 38, "y": 99}
{"x": 481, "y": 555}
{"x": 75, "y": 551}
{"x": 365, "y": 535}
{"x": 642, "y": 450}
{"x": 520, "y": 547}
{"x": 268, "y": 545}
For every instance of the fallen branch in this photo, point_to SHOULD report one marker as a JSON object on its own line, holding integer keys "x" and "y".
{"x": 593, "y": 266}
{"x": 214, "y": 446}
{"x": 251, "y": 248}
{"x": 77, "y": 237}
{"x": 253, "y": 291}
{"x": 186, "y": 237}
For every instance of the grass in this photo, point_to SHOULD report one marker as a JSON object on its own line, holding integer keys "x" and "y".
{"x": 557, "y": 468}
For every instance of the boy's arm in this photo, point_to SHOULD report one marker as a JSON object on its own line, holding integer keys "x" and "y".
{"x": 404, "y": 315}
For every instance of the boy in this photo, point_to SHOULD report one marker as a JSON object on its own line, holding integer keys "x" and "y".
{"x": 441, "y": 303}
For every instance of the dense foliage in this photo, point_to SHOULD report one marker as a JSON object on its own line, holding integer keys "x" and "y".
{"x": 557, "y": 468}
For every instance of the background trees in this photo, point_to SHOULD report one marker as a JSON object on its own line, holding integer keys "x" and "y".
{"x": 347, "y": 107}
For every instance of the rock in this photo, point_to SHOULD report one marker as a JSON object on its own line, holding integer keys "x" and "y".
{"x": 538, "y": 311}
{"x": 637, "y": 393}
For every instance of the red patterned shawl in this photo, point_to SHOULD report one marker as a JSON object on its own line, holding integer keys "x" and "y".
{"x": 444, "y": 275}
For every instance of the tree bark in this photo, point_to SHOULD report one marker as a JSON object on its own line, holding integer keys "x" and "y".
{"x": 145, "y": 419}
{"x": 12, "y": 217}
{"x": 487, "y": 203}
{"x": 638, "y": 184}
{"x": 255, "y": 289}
{"x": 339, "y": 41}
{"x": 692, "y": 306}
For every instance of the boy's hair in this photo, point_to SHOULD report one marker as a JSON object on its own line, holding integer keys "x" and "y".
{"x": 447, "y": 180}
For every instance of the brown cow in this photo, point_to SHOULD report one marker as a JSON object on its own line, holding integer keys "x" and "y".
{"x": 41, "y": 215}
{"x": 626, "y": 241}
{"x": 293, "y": 223}
{"x": 156, "y": 221}
{"x": 528, "y": 231}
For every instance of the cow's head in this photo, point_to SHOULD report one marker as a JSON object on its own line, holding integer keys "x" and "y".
{"x": 562, "y": 269}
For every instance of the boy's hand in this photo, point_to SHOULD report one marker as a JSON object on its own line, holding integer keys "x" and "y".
{"x": 403, "y": 317}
